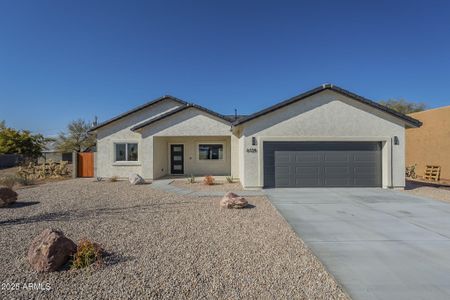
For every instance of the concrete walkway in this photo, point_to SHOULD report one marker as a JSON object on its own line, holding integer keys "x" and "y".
{"x": 379, "y": 244}
{"x": 164, "y": 184}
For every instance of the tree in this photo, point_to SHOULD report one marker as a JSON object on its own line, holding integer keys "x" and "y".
{"x": 22, "y": 142}
{"x": 77, "y": 138}
{"x": 403, "y": 106}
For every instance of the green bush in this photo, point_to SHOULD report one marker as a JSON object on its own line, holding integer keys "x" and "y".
{"x": 88, "y": 253}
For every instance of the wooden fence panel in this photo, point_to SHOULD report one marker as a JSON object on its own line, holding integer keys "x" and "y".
{"x": 85, "y": 164}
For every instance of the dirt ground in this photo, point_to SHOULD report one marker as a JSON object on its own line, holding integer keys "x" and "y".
{"x": 425, "y": 189}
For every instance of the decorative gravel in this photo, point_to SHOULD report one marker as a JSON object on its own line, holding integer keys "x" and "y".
{"x": 161, "y": 246}
{"x": 218, "y": 186}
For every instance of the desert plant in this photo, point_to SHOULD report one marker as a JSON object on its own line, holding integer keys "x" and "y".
{"x": 88, "y": 253}
{"x": 99, "y": 179}
{"x": 8, "y": 181}
{"x": 24, "y": 179}
{"x": 48, "y": 170}
{"x": 411, "y": 171}
{"x": 209, "y": 180}
{"x": 230, "y": 179}
{"x": 113, "y": 178}
{"x": 191, "y": 178}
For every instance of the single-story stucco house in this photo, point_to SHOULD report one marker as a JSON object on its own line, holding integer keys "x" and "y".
{"x": 324, "y": 137}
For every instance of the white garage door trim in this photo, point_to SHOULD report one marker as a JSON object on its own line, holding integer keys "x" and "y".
{"x": 386, "y": 153}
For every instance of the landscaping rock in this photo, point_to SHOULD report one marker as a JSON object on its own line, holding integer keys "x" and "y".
{"x": 7, "y": 197}
{"x": 136, "y": 179}
{"x": 50, "y": 250}
{"x": 231, "y": 200}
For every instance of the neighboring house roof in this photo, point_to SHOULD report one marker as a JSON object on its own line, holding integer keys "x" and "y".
{"x": 179, "y": 109}
{"x": 153, "y": 102}
{"x": 50, "y": 147}
{"x": 407, "y": 119}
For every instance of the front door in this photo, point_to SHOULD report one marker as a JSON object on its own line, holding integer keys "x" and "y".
{"x": 177, "y": 159}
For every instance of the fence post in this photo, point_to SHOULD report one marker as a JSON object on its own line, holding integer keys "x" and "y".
{"x": 95, "y": 164}
{"x": 74, "y": 164}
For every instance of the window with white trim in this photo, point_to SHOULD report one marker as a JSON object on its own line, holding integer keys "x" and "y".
{"x": 126, "y": 152}
{"x": 210, "y": 151}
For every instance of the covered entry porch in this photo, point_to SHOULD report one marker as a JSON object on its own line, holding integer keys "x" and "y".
{"x": 194, "y": 155}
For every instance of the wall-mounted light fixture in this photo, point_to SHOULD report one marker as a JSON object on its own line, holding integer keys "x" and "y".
{"x": 396, "y": 140}
{"x": 254, "y": 143}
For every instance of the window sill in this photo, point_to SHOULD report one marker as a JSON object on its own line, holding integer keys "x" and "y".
{"x": 126, "y": 163}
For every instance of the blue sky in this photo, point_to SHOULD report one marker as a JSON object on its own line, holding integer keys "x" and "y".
{"x": 62, "y": 60}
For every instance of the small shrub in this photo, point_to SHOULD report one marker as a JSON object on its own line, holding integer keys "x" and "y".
{"x": 25, "y": 180}
{"x": 114, "y": 179}
{"x": 88, "y": 253}
{"x": 99, "y": 179}
{"x": 209, "y": 180}
{"x": 191, "y": 179}
{"x": 8, "y": 181}
{"x": 230, "y": 179}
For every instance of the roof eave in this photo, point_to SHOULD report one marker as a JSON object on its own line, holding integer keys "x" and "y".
{"x": 408, "y": 120}
{"x": 136, "y": 109}
{"x": 177, "y": 110}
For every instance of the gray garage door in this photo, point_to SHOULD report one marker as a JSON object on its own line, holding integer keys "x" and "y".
{"x": 322, "y": 164}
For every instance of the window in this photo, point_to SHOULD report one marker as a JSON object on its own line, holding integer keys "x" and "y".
{"x": 127, "y": 152}
{"x": 210, "y": 151}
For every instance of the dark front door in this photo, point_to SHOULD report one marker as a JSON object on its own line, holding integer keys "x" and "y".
{"x": 322, "y": 164}
{"x": 177, "y": 159}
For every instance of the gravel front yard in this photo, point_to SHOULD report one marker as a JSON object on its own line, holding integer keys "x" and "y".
{"x": 162, "y": 246}
{"x": 218, "y": 186}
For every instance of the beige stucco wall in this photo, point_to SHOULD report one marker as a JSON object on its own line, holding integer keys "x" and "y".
{"x": 189, "y": 122}
{"x": 430, "y": 144}
{"x": 326, "y": 116}
{"x": 120, "y": 131}
{"x": 190, "y": 127}
{"x": 192, "y": 165}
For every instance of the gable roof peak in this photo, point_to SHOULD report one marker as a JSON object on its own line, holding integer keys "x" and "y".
{"x": 328, "y": 86}
{"x": 136, "y": 109}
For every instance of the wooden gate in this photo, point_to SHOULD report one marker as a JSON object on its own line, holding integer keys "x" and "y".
{"x": 85, "y": 164}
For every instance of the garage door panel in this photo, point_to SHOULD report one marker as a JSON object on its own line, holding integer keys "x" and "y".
{"x": 336, "y": 156}
{"x": 315, "y": 164}
{"x": 305, "y": 172}
{"x": 332, "y": 182}
{"x": 336, "y": 171}
{"x": 282, "y": 157}
{"x": 365, "y": 156}
{"x": 306, "y": 157}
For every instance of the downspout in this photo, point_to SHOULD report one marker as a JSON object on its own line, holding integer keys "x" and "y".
{"x": 392, "y": 163}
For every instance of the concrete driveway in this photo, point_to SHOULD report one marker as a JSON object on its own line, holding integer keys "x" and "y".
{"x": 379, "y": 244}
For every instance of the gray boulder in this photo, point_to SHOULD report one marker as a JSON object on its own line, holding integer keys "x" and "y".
{"x": 50, "y": 250}
{"x": 136, "y": 179}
